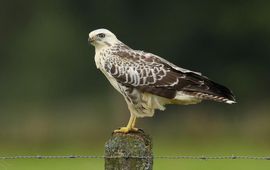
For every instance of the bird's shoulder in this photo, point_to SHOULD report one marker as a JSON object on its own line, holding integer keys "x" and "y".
{"x": 123, "y": 52}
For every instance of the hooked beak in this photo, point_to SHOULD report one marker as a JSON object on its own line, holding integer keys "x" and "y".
{"x": 91, "y": 40}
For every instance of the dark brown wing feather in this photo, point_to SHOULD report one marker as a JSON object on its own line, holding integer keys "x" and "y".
{"x": 152, "y": 74}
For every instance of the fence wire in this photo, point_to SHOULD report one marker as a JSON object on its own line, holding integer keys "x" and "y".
{"x": 135, "y": 157}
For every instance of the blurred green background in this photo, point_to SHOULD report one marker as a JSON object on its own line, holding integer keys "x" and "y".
{"x": 54, "y": 101}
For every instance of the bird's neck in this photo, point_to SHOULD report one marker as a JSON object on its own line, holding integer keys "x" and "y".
{"x": 99, "y": 48}
{"x": 100, "y": 54}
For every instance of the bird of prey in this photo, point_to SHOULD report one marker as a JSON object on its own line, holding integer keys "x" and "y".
{"x": 149, "y": 82}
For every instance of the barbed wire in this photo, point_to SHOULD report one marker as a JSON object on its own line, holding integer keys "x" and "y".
{"x": 232, "y": 157}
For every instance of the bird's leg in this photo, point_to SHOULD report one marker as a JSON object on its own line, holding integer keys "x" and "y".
{"x": 130, "y": 126}
{"x": 133, "y": 124}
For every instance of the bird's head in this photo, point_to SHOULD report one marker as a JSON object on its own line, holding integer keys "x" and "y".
{"x": 102, "y": 38}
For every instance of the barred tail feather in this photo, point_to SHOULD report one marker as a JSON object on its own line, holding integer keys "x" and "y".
{"x": 205, "y": 96}
{"x": 209, "y": 90}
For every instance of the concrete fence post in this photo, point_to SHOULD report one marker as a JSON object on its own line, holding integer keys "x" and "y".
{"x": 131, "y": 151}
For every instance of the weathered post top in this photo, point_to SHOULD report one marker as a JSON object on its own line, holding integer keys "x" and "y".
{"x": 130, "y": 151}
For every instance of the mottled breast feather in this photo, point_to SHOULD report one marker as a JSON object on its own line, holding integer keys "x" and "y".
{"x": 150, "y": 73}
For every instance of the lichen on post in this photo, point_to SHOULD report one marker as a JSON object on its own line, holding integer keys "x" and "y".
{"x": 129, "y": 151}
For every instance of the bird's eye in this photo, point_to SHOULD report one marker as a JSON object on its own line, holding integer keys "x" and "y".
{"x": 101, "y": 35}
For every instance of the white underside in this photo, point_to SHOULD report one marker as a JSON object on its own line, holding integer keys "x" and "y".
{"x": 156, "y": 102}
{"x": 185, "y": 99}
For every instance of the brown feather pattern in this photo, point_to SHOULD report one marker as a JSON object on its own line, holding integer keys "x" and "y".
{"x": 150, "y": 73}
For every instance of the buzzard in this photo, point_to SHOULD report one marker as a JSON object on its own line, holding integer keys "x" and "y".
{"x": 149, "y": 82}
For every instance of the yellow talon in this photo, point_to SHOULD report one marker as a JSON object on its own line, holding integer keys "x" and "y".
{"x": 129, "y": 128}
{"x": 125, "y": 130}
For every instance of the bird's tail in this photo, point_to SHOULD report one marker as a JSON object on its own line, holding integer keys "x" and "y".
{"x": 206, "y": 96}
{"x": 211, "y": 91}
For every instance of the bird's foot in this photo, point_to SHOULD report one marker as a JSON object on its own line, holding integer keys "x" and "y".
{"x": 125, "y": 130}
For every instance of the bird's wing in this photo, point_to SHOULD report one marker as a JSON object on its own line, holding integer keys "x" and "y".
{"x": 150, "y": 73}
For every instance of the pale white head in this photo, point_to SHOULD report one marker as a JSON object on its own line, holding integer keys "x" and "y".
{"x": 102, "y": 38}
